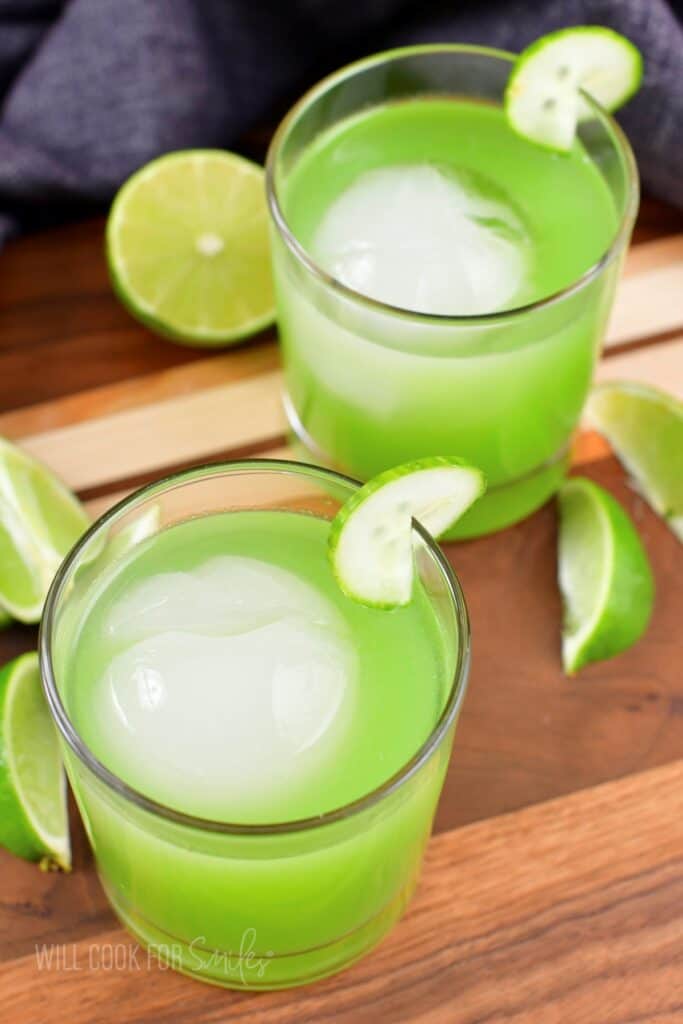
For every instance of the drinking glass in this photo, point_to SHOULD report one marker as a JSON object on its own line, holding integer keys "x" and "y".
{"x": 369, "y": 385}
{"x": 249, "y": 906}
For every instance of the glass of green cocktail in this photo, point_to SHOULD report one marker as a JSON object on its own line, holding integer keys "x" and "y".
{"x": 443, "y": 284}
{"x": 256, "y": 757}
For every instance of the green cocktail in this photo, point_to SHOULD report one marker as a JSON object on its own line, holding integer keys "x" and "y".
{"x": 256, "y": 757}
{"x": 443, "y": 284}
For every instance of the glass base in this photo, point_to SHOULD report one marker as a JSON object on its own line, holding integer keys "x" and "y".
{"x": 511, "y": 502}
{"x": 247, "y": 968}
{"x": 501, "y": 506}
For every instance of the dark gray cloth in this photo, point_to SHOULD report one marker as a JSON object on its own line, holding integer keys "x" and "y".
{"x": 92, "y": 89}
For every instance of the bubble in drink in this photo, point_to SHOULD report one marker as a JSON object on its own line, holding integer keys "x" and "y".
{"x": 425, "y": 239}
{"x": 232, "y": 683}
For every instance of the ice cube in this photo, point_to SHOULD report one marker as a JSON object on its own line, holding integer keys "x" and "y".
{"x": 424, "y": 239}
{"x": 219, "y": 724}
{"x": 225, "y": 594}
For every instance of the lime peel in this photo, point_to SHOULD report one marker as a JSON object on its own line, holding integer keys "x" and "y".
{"x": 644, "y": 426}
{"x": 40, "y": 520}
{"x": 188, "y": 249}
{"x": 604, "y": 576}
{"x": 33, "y": 808}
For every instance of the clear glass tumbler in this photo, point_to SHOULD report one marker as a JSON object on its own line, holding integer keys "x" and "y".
{"x": 249, "y": 906}
{"x": 370, "y": 385}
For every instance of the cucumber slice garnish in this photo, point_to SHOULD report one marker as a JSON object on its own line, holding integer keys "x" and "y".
{"x": 371, "y": 537}
{"x": 543, "y": 100}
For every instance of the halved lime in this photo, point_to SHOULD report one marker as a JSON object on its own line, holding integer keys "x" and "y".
{"x": 33, "y": 812}
{"x": 40, "y": 520}
{"x": 371, "y": 540}
{"x": 188, "y": 250}
{"x": 604, "y": 575}
{"x": 645, "y": 428}
{"x": 543, "y": 100}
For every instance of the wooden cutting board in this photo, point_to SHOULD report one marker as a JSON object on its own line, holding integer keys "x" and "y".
{"x": 553, "y": 891}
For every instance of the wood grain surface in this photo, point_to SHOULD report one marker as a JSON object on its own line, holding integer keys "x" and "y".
{"x": 568, "y": 911}
{"x": 565, "y": 912}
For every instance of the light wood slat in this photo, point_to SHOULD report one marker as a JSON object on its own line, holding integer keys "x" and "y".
{"x": 659, "y": 365}
{"x": 643, "y": 261}
{"x": 566, "y": 911}
{"x": 200, "y": 425}
{"x": 163, "y": 434}
{"x": 648, "y": 304}
{"x": 588, "y": 446}
{"x": 651, "y": 255}
{"x": 243, "y": 411}
{"x": 213, "y": 371}
{"x": 98, "y": 506}
{"x": 211, "y": 421}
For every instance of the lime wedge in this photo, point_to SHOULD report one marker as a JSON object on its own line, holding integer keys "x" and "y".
{"x": 371, "y": 539}
{"x": 645, "y": 428}
{"x": 187, "y": 246}
{"x": 604, "y": 575}
{"x": 33, "y": 811}
{"x": 543, "y": 99}
{"x": 40, "y": 520}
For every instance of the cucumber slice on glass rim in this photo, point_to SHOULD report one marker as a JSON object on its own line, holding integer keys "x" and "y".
{"x": 371, "y": 537}
{"x": 543, "y": 99}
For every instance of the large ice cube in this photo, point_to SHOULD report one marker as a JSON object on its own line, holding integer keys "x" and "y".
{"x": 234, "y": 683}
{"x": 425, "y": 239}
{"x": 223, "y": 595}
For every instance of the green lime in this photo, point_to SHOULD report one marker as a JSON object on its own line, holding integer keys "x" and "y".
{"x": 604, "y": 575}
{"x": 33, "y": 811}
{"x": 40, "y": 521}
{"x": 543, "y": 96}
{"x": 188, "y": 250}
{"x": 645, "y": 428}
{"x": 371, "y": 539}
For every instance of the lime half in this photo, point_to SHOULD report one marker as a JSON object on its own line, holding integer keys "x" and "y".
{"x": 604, "y": 576}
{"x": 645, "y": 428}
{"x": 543, "y": 99}
{"x": 40, "y": 520}
{"x": 371, "y": 538}
{"x": 33, "y": 811}
{"x": 188, "y": 249}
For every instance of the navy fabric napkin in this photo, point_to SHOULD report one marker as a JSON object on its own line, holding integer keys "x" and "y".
{"x": 92, "y": 89}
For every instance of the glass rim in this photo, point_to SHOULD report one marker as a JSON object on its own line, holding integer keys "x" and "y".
{"x": 68, "y": 732}
{"x": 626, "y": 217}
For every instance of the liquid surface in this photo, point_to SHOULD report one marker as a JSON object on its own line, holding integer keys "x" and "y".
{"x": 223, "y": 672}
{"x": 436, "y": 205}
